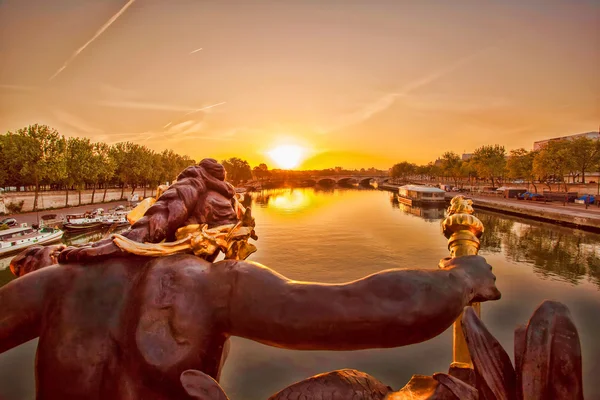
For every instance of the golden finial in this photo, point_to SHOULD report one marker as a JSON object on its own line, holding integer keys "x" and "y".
{"x": 462, "y": 228}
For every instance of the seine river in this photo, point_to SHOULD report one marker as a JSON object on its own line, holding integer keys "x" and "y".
{"x": 342, "y": 235}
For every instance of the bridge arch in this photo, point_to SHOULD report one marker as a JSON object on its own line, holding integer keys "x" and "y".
{"x": 326, "y": 182}
{"x": 348, "y": 181}
{"x": 365, "y": 181}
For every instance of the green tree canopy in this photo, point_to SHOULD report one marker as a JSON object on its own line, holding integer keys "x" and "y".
{"x": 520, "y": 165}
{"x": 42, "y": 153}
{"x": 80, "y": 163}
{"x": 451, "y": 166}
{"x": 553, "y": 162}
{"x": 490, "y": 162}
{"x": 237, "y": 170}
{"x": 585, "y": 155}
{"x": 403, "y": 170}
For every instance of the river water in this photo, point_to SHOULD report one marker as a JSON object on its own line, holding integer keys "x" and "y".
{"x": 341, "y": 235}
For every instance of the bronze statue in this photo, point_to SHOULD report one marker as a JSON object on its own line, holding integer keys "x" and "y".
{"x": 547, "y": 365}
{"x": 116, "y": 324}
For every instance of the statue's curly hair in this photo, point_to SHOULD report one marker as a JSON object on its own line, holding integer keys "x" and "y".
{"x": 199, "y": 196}
{"x": 188, "y": 201}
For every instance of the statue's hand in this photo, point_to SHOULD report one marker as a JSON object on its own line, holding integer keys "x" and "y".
{"x": 95, "y": 252}
{"x": 34, "y": 258}
{"x": 478, "y": 274}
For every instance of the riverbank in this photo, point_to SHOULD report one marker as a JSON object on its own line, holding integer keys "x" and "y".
{"x": 571, "y": 215}
{"x": 33, "y": 217}
{"x": 57, "y": 200}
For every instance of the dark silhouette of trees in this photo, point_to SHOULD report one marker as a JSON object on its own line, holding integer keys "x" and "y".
{"x": 238, "y": 170}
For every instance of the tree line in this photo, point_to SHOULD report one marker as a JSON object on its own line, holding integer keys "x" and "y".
{"x": 38, "y": 157}
{"x": 555, "y": 162}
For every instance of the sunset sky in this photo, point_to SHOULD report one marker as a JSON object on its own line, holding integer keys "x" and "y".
{"x": 353, "y": 83}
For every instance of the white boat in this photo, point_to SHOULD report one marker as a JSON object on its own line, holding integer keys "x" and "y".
{"x": 17, "y": 239}
{"x": 421, "y": 195}
{"x": 116, "y": 219}
{"x": 83, "y": 222}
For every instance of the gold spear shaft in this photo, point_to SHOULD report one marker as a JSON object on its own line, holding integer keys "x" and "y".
{"x": 463, "y": 230}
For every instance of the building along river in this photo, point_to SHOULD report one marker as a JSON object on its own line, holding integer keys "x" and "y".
{"x": 341, "y": 235}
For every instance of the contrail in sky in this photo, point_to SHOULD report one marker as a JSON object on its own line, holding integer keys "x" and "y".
{"x": 205, "y": 108}
{"x": 96, "y": 35}
{"x": 194, "y": 51}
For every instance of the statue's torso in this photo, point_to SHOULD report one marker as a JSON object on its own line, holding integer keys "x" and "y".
{"x": 125, "y": 329}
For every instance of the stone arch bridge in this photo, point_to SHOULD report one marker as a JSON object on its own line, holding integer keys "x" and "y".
{"x": 325, "y": 180}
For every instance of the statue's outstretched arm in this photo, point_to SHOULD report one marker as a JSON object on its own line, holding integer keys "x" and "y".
{"x": 388, "y": 309}
{"x": 22, "y": 304}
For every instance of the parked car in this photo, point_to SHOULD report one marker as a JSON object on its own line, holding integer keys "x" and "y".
{"x": 523, "y": 196}
{"x": 10, "y": 222}
{"x": 536, "y": 197}
{"x": 586, "y": 199}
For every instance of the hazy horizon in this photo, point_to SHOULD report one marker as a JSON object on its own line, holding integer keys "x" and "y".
{"x": 353, "y": 84}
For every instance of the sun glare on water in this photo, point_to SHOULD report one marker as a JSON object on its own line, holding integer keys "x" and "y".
{"x": 287, "y": 157}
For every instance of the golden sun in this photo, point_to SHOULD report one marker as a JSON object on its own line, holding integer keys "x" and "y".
{"x": 287, "y": 157}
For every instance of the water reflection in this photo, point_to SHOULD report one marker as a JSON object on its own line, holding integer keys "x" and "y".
{"x": 429, "y": 214}
{"x": 284, "y": 199}
{"x": 554, "y": 252}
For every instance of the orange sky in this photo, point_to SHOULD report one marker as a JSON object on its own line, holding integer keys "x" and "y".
{"x": 357, "y": 83}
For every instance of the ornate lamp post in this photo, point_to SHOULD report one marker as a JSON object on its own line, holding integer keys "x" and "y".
{"x": 463, "y": 230}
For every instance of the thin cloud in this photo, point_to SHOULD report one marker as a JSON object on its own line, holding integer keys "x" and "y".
{"x": 194, "y": 51}
{"x": 76, "y": 123}
{"x": 205, "y": 108}
{"x": 387, "y": 100}
{"x": 19, "y": 88}
{"x": 96, "y": 35}
{"x": 139, "y": 105}
{"x": 111, "y": 91}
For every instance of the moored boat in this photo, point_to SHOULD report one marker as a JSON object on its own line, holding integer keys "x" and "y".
{"x": 116, "y": 219}
{"x": 17, "y": 239}
{"x": 52, "y": 221}
{"x": 421, "y": 195}
{"x": 83, "y": 222}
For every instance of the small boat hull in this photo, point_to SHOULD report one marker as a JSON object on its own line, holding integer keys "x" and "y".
{"x": 86, "y": 227}
{"x": 421, "y": 203}
{"x": 13, "y": 250}
{"x": 119, "y": 224}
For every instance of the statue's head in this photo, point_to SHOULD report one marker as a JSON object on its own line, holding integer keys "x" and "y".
{"x": 215, "y": 205}
{"x": 202, "y": 203}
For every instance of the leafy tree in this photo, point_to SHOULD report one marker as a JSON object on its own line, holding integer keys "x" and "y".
{"x": 128, "y": 157}
{"x": 261, "y": 171}
{"x": 237, "y": 170}
{"x": 152, "y": 170}
{"x": 585, "y": 154}
{"x": 42, "y": 155}
{"x": 451, "y": 164}
{"x": 490, "y": 162}
{"x": 105, "y": 166}
{"x": 553, "y": 162}
{"x": 468, "y": 170}
{"x": 520, "y": 166}
{"x": 80, "y": 165}
{"x": 403, "y": 170}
